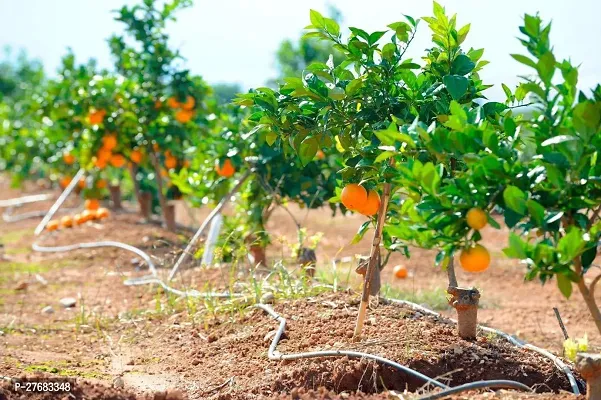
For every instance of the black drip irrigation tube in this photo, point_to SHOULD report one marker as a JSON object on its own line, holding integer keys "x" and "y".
{"x": 273, "y": 353}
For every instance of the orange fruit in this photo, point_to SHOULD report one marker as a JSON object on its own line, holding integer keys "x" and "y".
{"x": 100, "y": 184}
{"x": 372, "y": 205}
{"x": 96, "y": 117}
{"x": 476, "y": 218}
{"x": 136, "y": 156}
{"x": 88, "y": 215}
{"x": 78, "y": 219}
{"x": 173, "y": 103}
{"x": 68, "y": 158}
{"x": 92, "y": 204}
{"x": 102, "y": 213}
{"x": 320, "y": 155}
{"x": 170, "y": 162}
{"x": 186, "y": 163}
{"x": 65, "y": 181}
{"x": 475, "y": 259}
{"x": 226, "y": 170}
{"x": 109, "y": 142}
{"x": 99, "y": 163}
{"x": 189, "y": 104}
{"x": 53, "y": 225}
{"x": 81, "y": 183}
{"x": 353, "y": 196}
{"x": 103, "y": 154}
{"x": 117, "y": 160}
{"x": 164, "y": 173}
{"x": 158, "y": 105}
{"x": 184, "y": 116}
{"x": 67, "y": 221}
{"x": 155, "y": 147}
{"x": 400, "y": 271}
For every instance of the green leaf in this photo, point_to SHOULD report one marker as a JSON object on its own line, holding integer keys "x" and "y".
{"x": 570, "y": 246}
{"x": 353, "y": 86}
{"x": 316, "y": 19}
{"x": 384, "y": 156}
{"x": 558, "y": 139}
{"x": 430, "y": 180}
{"x": 546, "y": 66}
{"x": 456, "y": 85}
{"x": 361, "y": 232}
{"x": 391, "y": 136}
{"x": 515, "y": 199}
{"x": 462, "y": 33}
{"x": 517, "y": 247}
{"x": 271, "y": 137}
{"x": 588, "y": 257}
{"x": 308, "y": 150}
{"x": 524, "y": 60}
{"x": 565, "y": 285}
{"x": 336, "y": 93}
{"x": 537, "y": 212}
{"x": 374, "y": 37}
{"x": 462, "y": 65}
{"x": 507, "y": 91}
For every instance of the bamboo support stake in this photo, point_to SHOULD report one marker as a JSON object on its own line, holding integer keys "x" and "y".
{"x": 373, "y": 260}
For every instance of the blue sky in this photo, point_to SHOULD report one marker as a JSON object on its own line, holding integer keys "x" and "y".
{"x": 235, "y": 40}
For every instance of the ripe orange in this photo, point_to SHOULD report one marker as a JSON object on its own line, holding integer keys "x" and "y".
{"x": 173, "y": 103}
{"x": 100, "y": 163}
{"x": 155, "y": 147}
{"x": 53, "y": 225}
{"x": 102, "y": 213}
{"x": 353, "y": 196}
{"x": 320, "y": 155}
{"x": 109, "y": 142}
{"x": 136, "y": 156}
{"x": 96, "y": 117}
{"x": 170, "y": 162}
{"x": 164, "y": 173}
{"x": 475, "y": 259}
{"x": 68, "y": 158}
{"x": 92, "y": 204}
{"x": 400, "y": 271}
{"x": 65, "y": 181}
{"x": 189, "y": 104}
{"x": 81, "y": 183}
{"x": 158, "y": 105}
{"x": 78, "y": 219}
{"x": 476, "y": 218}
{"x": 184, "y": 116}
{"x": 372, "y": 205}
{"x": 117, "y": 160}
{"x": 100, "y": 184}
{"x": 88, "y": 215}
{"x": 226, "y": 170}
{"x": 67, "y": 221}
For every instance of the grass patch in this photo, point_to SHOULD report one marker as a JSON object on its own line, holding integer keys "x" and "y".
{"x": 14, "y": 236}
{"x": 62, "y": 368}
{"x": 435, "y": 299}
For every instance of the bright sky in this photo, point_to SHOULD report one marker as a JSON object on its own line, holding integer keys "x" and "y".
{"x": 235, "y": 40}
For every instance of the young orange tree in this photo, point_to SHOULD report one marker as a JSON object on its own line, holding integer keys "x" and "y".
{"x": 357, "y": 106}
{"x": 560, "y": 196}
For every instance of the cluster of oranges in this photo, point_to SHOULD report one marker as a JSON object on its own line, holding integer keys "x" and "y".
{"x": 170, "y": 160}
{"x": 66, "y": 180}
{"x": 475, "y": 258}
{"x": 185, "y": 111}
{"x": 105, "y": 154}
{"x": 96, "y": 116}
{"x": 356, "y": 198}
{"x": 226, "y": 170}
{"x": 92, "y": 212}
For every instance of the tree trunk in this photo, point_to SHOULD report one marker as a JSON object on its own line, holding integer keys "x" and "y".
{"x": 373, "y": 263}
{"x": 169, "y": 215}
{"x": 589, "y": 366}
{"x": 116, "y": 196}
{"x": 307, "y": 260}
{"x": 159, "y": 180}
{"x": 465, "y": 301}
{"x": 588, "y": 295}
{"x": 133, "y": 172}
{"x": 145, "y": 202}
{"x": 258, "y": 255}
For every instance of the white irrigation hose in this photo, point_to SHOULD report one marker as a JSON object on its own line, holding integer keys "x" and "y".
{"x": 61, "y": 199}
{"x": 8, "y": 216}
{"x": 25, "y": 200}
{"x": 518, "y": 343}
{"x": 274, "y": 354}
{"x": 212, "y": 237}
{"x": 204, "y": 225}
{"x": 498, "y": 384}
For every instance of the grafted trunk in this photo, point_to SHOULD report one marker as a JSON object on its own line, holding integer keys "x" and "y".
{"x": 465, "y": 301}
{"x": 116, "y": 196}
{"x": 258, "y": 255}
{"x": 145, "y": 202}
{"x": 169, "y": 215}
{"x": 589, "y": 366}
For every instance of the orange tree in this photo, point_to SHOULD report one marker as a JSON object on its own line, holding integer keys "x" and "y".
{"x": 231, "y": 149}
{"x": 358, "y": 104}
{"x": 560, "y": 196}
{"x": 168, "y": 102}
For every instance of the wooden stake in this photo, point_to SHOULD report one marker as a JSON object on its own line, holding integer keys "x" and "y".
{"x": 373, "y": 260}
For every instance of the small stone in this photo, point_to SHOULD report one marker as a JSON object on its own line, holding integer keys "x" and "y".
{"x": 21, "y": 286}
{"x": 136, "y": 261}
{"x": 68, "y": 302}
{"x": 118, "y": 382}
{"x": 48, "y": 310}
{"x": 238, "y": 287}
{"x": 457, "y": 350}
{"x": 371, "y": 321}
{"x": 41, "y": 279}
{"x": 267, "y": 298}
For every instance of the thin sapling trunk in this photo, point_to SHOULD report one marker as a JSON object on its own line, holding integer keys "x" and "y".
{"x": 159, "y": 180}
{"x": 373, "y": 262}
